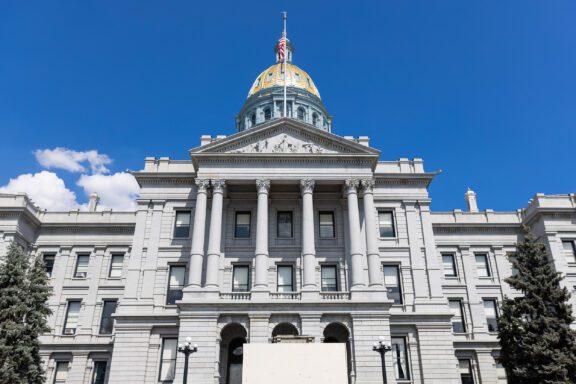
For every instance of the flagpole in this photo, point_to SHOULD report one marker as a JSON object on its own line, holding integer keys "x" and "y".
{"x": 285, "y": 55}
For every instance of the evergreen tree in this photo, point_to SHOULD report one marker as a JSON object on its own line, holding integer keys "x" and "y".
{"x": 537, "y": 344}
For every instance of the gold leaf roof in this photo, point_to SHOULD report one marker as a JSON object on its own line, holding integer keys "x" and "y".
{"x": 273, "y": 77}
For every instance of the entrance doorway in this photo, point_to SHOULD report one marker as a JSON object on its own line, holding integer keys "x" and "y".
{"x": 233, "y": 337}
{"x": 338, "y": 333}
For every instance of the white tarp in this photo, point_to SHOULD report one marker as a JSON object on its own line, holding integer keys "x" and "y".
{"x": 295, "y": 363}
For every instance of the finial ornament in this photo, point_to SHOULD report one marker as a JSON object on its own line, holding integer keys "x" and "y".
{"x": 218, "y": 185}
{"x": 351, "y": 185}
{"x": 368, "y": 185}
{"x": 202, "y": 184}
{"x": 306, "y": 186}
{"x": 263, "y": 185}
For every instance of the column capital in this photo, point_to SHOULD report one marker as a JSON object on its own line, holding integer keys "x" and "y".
{"x": 306, "y": 185}
{"x": 202, "y": 185}
{"x": 351, "y": 186}
{"x": 218, "y": 185}
{"x": 263, "y": 185}
{"x": 368, "y": 185}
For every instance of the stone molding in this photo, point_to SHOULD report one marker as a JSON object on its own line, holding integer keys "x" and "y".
{"x": 218, "y": 185}
{"x": 202, "y": 185}
{"x": 263, "y": 185}
{"x": 307, "y": 185}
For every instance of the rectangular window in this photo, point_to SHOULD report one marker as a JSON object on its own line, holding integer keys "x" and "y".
{"x": 400, "y": 358}
{"x": 49, "y": 262}
{"x": 241, "y": 278}
{"x": 449, "y": 263}
{"x": 458, "y": 325}
{"x": 392, "y": 281}
{"x": 116, "y": 264}
{"x": 386, "y": 223}
{"x": 284, "y": 229}
{"x": 570, "y": 251}
{"x": 285, "y": 278}
{"x": 242, "y": 227}
{"x": 327, "y": 225}
{"x": 329, "y": 276}
{"x": 491, "y": 311}
{"x": 107, "y": 322}
{"x": 182, "y": 224}
{"x": 71, "y": 321}
{"x": 61, "y": 372}
{"x": 511, "y": 258}
{"x": 175, "y": 283}
{"x": 465, "y": 371}
{"x": 482, "y": 265}
{"x": 168, "y": 359}
{"x": 99, "y": 372}
{"x": 82, "y": 266}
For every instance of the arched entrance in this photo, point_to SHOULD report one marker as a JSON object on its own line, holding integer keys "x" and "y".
{"x": 233, "y": 337}
{"x": 284, "y": 329}
{"x": 338, "y": 333}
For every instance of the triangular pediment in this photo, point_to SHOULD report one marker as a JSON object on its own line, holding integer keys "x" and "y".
{"x": 285, "y": 137}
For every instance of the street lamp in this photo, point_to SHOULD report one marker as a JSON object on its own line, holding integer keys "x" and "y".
{"x": 187, "y": 349}
{"x": 382, "y": 348}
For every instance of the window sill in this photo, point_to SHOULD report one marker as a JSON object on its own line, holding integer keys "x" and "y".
{"x": 79, "y": 278}
{"x": 114, "y": 278}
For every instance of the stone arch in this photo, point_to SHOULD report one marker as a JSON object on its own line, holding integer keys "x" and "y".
{"x": 285, "y": 329}
{"x": 338, "y": 329}
{"x": 233, "y": 336}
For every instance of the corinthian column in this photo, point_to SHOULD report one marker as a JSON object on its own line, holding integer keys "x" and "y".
{"x": 375, "y": 277}
{"x": 213, "y": 258}
{"x": 198, "y": 233}
{"x": 308, "y": 248}
{"x": 261, "y": 258}
{"x": 356, "y": 255}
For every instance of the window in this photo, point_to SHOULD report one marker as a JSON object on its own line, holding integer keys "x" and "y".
{"x": 449, "y": 265}
{"x": 392, "y": 281}
{"x": 301, "y": 113}
{"x": 269, "y": 77}
{"x": 458, "y": 325}
{"x": 99, "y": 372}
{"x": 315, "y": 119}
{"x": 168, "y": 359}
{"x": 491, "y": 312}
{"x": 482, "y": 265}
{"x": 501, "y": 373}
{"x": 400, "y": 358}
{"x": 329, "y": 275}
{"x": 61, "y": 374}
{"x": 327, "y": 224}
{"x": 182, "y": 224}
{"x": 297, "y": 76}
{"x": 175, "y": 283}
{"x": 107, "y": 322}
{"x": 386, "y": 222}
{"x": 570, "y": 251}
{"x": 81, "y": 266}
{"x": 241, "y": 278}
{"x": 465, "y": 371}
{"x": 242, "y": 228}
{"x": 511, "y": 258}
{"x": 116, "y": 264}
{"x": 48, "y": 259}
{"x": 267, "y": 114}
{"x": 71, "y": 321}
{"x": 285, "y": 278}
{"x": 284, "y": 229}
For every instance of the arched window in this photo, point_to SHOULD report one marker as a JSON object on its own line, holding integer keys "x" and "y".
{"x": 301, "y": 113}
{"x": 285, "y": 329}
{"x": 267, "y": 113}
{"x": 314, "y": 119}
{"x": 252, "y": 119}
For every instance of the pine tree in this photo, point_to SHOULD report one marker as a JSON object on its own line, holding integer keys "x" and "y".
{"x": 537, "y": 344}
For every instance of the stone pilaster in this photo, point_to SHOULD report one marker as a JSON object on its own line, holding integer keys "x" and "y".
{"x": 198, "y": 234}
{"x": 355, "y": 248}
{"x": 215, "y": 238}
{"x": 375, "y": 276}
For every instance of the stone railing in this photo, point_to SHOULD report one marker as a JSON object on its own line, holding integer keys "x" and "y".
{"x": 335, "y": 295}
{"x": 235, "y": 296}
{"x": 285, "y": 296}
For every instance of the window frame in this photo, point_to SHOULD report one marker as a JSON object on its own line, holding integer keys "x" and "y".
{"x": 58, "y": 362}
{"x": 496, "y": 312}
{"x": 176, "y": 227}
{"x": 267, "y": 113}
{"x": 470, "y": 370}
{"x": 49, "y": 255}
{"x": 336, "y": 282}
{"x": 111, "y": 318}
{"x": 463, "y": 320}
{"x": 393, "y": 223}
{"x": 487, "y": 269}
{"x": 162, "y": 360}
{"x": 398, "y": 278}
{"x": 112, "y": 256}
{"x": 236, "y": 214}
{"x": 573, "y": 245}
{"x": 278, "y": 213}
{"x": 454, "y": 266}
{"x": 234, "y": 268}
{"x": 333, "y": 226}
{"x": 92, "y": 381}
{"x": 65, "y": 325}
{"x": 168, "y": 286}
{"x": 406, "y": 357}
{"x": 78, "y": 256}
{"x": 292, "y": 285}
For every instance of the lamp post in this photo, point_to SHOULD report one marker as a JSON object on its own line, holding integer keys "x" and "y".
{"x": 187, "y": 349}
{"x": 382, "y": 348}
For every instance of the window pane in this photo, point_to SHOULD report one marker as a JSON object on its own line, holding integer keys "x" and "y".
{"x": 72, "y": 317}
{"x": 107, "y": 322}
{"x": 175, "y": 283}
{"x": 116, "y": 265}
{"x": 240, "y": 278}
{"x": 182, "y": 224}
{"x": 400, "y": 358}
{"x": 284, "y": 224}
{"x": 458, "y": 319}
{"x": 285, "y": 278}
{"x": 242, "y": 229}
{"x": 491, "y": 315}
{"x": 61, "y": 374}
{"x": 168, "y": 363}
{"x": 386, "y": 221}
{"x": 82, "y": 266}
{"x": 326, "y": 224}
{"x": 99, "y": 372}
{"x": 569, "y": 251}
{"x": 482, "y": 266}
{"x": 392, "y": 281}
{"x": 329, "y": 278}
{"x": 449, "y": 265}
{"x": 465, "y": 371}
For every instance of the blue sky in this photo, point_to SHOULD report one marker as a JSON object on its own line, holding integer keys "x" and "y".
{"x": 484, "y": 90}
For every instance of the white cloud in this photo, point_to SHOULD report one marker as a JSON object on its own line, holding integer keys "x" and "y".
{"x": 46, "y": 189}
{"x": 118, "y": 191}
{"x": 73, "y": 161}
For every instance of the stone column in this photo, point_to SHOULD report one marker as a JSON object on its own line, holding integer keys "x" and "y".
{"x": 356, "y": 254}
{"x": 198, "y": 234}
{"x": 261, "y": 259}
{"x": 375, "y": 276}
{"x": 308, "y": 247}
{"x": 213, "y": 258}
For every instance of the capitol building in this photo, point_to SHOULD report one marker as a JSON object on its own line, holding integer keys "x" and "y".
{"x": 280, "y": 233}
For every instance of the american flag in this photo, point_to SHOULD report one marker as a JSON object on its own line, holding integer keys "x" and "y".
{"x": 281, "y": 48}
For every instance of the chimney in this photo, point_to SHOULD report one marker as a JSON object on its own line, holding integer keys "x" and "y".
{"x": 471, "y": 200}
{"x": 93, "y": 203}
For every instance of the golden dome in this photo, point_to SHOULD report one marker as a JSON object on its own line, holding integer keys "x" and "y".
{"x": 272, "y": 77}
